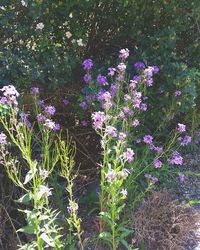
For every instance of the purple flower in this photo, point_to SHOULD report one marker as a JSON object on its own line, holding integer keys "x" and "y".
{"x": 135, "y": 123}
{"x": 122, "y": 136}
{"x": 157, "y": 163}
{"x": 83, "y": 105}
{"x": 56, "y": 127}
{"x": 186, "y": 140}
{"x": 3, "y": 100}
{"x": 148, "y": 139}
{"x": 122, "y": 115}
{"x": 145, "y": 98}
{"x": 153, "y": 179}
{"x": 124, "y": 53}
{"x": 90, "y": 97}
{"x": 102, "y": 80}
{"x": 143, "y": 106}
{"x": 3, "y": 138}
{"x": 149, "y": 82}
{"x": 50, "y": 110}
{"x": 111, "y": 175}
{"x": 111, "y": 71}
{"x": 152, "y": 147}
{"x": 41, "y": 117}
{"x": 181, "y": 177}
{"x": 177, "y": 93}
{"x": 106, "y": 96}
{"x": 126, "y": 110}
{"x": 35, "y": 90}
{"x": 87, "y": 64}
{"x": 111, "y": 131}
{"x": 65, "y": 102}
{"x": 155, "y": 69}
{"x": 84, "y": 123}
{"x": 41, "y": 103}
{"x": 113, "y": 89}
{"x": 98, "y": 119}
{"x": 25, "y": 116}
{"x": 129, "y": 155}
{"x": 176, "y": 159}
{"x": 132, "y": 84}
{"x": 137, "y": 98}
{"x": 49, "y": 124}
{"x": 137, "y": 78}
{"x": 87, "y": 78}
{"x": 159, "y": 150}
{"x": 121, "y": 67}
{"x": 138, "y": 141}
{"x": 149, "y": 72}
{"x": 181, "y": 128}
{"x": 139, "y": 65}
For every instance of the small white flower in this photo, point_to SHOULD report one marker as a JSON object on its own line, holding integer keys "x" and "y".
{"x": 80, "y": 42}
{"x": 44, "y": 173}
{"x": 73, "y": 40}
{"x": 39, "y": 26}
{"x": 68, "y": 34}
{"x": 65, "y": 23}
{"x": 111, "y": 175}
{"x": 124, "y": 193}
{"x": 24, "y": 3}
{"x": 9, "y": 91}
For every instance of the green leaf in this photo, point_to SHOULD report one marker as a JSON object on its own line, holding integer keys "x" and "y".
{"x": 193, "y": 202}
{"x": 46, "y": 239}
{"x": 29, "y": 176}
{"x": 25, "y": 198}
{"x": 106, "y": 236}
{"x": 30, "y": 229}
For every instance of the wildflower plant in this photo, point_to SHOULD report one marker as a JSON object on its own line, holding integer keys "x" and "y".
{"x": 130, "y": 156}
{"x": 34, "y": 174}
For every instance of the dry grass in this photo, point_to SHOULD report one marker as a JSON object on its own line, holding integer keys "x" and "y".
{"x": 163, "y": 223}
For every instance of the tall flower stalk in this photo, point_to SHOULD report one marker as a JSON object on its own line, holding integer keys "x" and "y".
{"x": 32, "y": 173}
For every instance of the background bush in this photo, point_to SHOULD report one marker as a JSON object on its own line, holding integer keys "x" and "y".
{"x": 165, "y": 33}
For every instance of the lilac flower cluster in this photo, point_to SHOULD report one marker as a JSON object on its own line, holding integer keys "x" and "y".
{"x": 102, "y": 80}
{"x": 87, "y": 64}
{"x": 3, "y": 138}
{"x": 35, "y": 90}
{"x": 113, "y": 175}
{"x": 9, "y": 97}
{"x": 98, "y": 119}
{"x": 50, "y": 110}
{"x": 128, "y": 155}
{"x": 124, "y": 53}
{"x": 146, "y": 73}
{"x": 148, "y": 139}
{"x": 25, "y": 120}
{"x": 152, "y": 179}
{"x": 176, "y": 158}
{"x": 125, "y": 103}
{"x": 44, "y": 117}
{"x": 181, "y": 128}
{"x": 72, "y": 208}
{"x": 185, "y": 140}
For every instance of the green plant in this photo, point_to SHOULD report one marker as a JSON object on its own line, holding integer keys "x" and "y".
{"x": 33, "y": 175}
